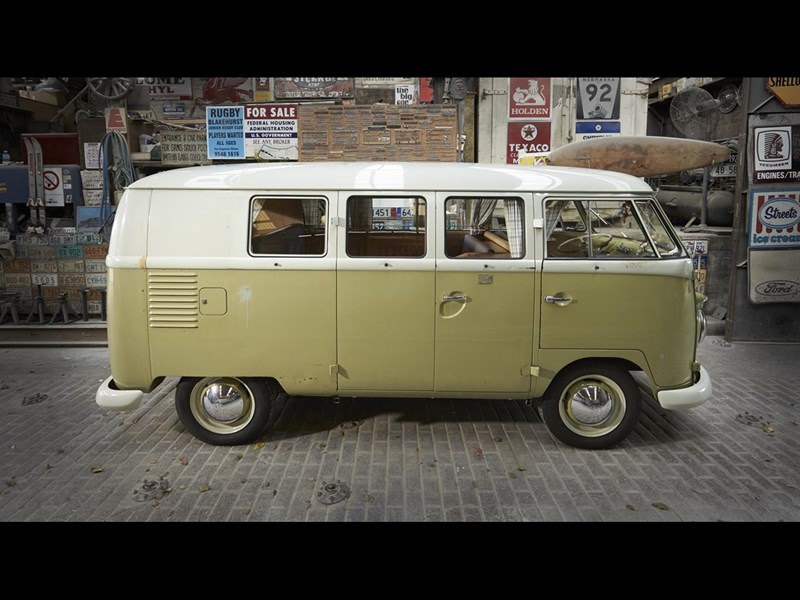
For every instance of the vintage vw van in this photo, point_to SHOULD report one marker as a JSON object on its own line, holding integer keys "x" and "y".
{"x": 430, "y": 280}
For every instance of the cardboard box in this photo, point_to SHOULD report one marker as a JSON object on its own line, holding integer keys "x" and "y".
{"x": 53, "y": 98}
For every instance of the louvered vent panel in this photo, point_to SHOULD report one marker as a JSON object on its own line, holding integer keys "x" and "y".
{"x": 172, "y": 299}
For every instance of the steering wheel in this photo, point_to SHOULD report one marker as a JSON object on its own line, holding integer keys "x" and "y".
{"x": 565, "y": 245}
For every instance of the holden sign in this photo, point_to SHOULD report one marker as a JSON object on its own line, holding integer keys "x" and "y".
{"x": 785, "y": 89}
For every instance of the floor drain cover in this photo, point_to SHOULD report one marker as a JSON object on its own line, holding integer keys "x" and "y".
{"x": 151, "y": 490}
{"x": 331, "y": 493}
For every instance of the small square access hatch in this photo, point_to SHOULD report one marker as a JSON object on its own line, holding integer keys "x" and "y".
{"x": 213, "y": 301}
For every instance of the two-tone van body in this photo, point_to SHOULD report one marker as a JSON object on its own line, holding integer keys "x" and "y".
{"x": 427, "y": 280}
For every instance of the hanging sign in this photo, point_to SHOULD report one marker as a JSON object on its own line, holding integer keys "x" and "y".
{"x": 773, "y": 157}
{"x": 598, "y": 98}
{"x": 785, "y": 89}
{"x": 270, "y": 131}
{"x": 775, "y": 219}
{"x": 529, "y": 97}
{"x": 224, "y": 132}
{"x": 405, "y": 94}
{"x": 184, "y": 148}
{"x": 530, "y": 137}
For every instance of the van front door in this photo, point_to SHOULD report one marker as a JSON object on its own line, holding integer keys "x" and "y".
{"x": 485, "y": 277}
{"x": 384, "y": 291}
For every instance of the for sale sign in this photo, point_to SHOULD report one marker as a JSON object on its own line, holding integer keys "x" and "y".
{"x": 270, "y": 131}
{"x": 531, "y": 137}
{"x": 529, "y": 98}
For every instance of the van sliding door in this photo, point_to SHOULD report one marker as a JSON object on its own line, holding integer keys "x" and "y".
{"x": 484, "y": 300}
{"x": 385, "y": 284}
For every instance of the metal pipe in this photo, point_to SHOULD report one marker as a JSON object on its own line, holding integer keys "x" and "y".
{"x": 85, "y": 303}
{"x": 704, "y": 198}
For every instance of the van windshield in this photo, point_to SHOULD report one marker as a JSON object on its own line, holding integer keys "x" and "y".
{"x": 602, "y": 228}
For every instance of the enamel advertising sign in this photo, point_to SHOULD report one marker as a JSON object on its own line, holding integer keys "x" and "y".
{"x": 529, "y": 98}
{"x": 774, "y": 219}
{"x": 531, "y": 137}
{"x": 776, "y": 154}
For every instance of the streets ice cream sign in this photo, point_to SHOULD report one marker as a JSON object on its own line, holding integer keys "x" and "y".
{"x": 776, "y": 154}
{"x": 775, "y": 219}
{"x": 532, "y": 137}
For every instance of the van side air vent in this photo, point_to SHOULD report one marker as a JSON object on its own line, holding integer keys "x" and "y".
{"x": 172, "y": 299}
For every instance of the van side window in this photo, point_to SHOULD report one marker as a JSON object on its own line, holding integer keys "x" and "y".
{"x": 288, "y": 225}
{"x": 605, "y": 229}
{"x": 485, "y": 228}
{"x": 382, "y": 226}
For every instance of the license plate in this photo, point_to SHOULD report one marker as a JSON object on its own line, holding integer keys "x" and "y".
{"x": 723, "y": 170}
{"x": 96, "y": 280}
{"x": 48, "y": 279}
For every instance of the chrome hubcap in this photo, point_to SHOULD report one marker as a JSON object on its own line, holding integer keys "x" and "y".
{"x": 222, "y": 405}
{"x": 592, "y": 406}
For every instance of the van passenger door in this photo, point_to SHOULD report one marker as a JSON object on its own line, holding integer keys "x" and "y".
{"x": 609, "y": 280}
{"x": 484, "y": 304}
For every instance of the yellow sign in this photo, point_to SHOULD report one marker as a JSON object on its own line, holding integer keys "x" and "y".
{"x": 785, "y": 89}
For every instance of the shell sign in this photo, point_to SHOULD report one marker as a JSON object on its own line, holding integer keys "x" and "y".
{"x": 785, "y": 89}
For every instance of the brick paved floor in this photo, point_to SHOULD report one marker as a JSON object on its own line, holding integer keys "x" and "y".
{"x": 736, "y": 458}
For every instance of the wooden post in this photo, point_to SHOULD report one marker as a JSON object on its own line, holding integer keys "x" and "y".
{"x": 738, "y": 248}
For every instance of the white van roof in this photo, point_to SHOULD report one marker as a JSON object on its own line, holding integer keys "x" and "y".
{"x": 393, "y": 176}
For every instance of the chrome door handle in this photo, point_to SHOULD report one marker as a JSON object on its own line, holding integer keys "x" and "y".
{"x": 454, "y": 296}
{"x": 558, "y": 300}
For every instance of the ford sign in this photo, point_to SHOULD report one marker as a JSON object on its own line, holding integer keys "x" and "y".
{"x": 778, "y": 287}
{"x": 780, "y": 213}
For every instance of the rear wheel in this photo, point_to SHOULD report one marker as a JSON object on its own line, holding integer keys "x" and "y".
{"x": 592, "y": 406}
{"x": 225, "y": 411}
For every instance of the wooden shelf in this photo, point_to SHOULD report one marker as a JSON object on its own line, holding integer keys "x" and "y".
{"x": 156, "y": 164}
{"x": 15, "y": 109}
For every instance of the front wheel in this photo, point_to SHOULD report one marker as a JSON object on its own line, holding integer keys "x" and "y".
{"x": 225, "y": 411}
{"x": 592, "y": 406}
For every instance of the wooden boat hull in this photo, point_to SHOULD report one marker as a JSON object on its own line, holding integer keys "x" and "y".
{"x": 641, "y": 156}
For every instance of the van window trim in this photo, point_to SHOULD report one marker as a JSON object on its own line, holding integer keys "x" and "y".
{"x": 633, "y": 199}
{"x": 491, "y": 195}
{"x": 328, "y": 225}
{"x": 410, "y": 195}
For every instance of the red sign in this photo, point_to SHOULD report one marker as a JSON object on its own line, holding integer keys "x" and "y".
{"x": 270, "y": 111}
{"x": 425, "y": 90}
{"x": 116, "y": 120}
{"x": 531, "y": 137}
{"x": 529, "y": 97}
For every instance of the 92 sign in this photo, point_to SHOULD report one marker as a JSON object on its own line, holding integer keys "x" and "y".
{"x": 598, "y": 98}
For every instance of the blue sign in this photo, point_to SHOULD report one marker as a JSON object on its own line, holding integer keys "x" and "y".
{"x": 596, "y": 127}
{"x": 225, "y": 132}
